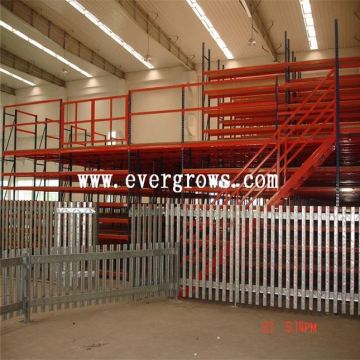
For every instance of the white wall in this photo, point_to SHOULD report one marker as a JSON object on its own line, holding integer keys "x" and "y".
{"x": 94, "y": 87}
{"x": 327, "y": 54}
{"x": 254, "y": 61}
{"x": 163, "y": 127}
{"x": 6, "y": 99}
{"x": 88, "y": 88}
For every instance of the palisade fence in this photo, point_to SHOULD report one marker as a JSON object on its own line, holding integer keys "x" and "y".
{"x": 50, "y": 260}
{"x": 304, "y": 258}
{"x": 47, "y": 224}
{"x": 60, "y": 278}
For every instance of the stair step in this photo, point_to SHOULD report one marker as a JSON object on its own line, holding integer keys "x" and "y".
{"x": 209, "y": 189}
{"x": 115, "y": 237}
{"x": 112, "y": 205}
{"x": 314, "y": 161}
{"x": 113, "y": 220}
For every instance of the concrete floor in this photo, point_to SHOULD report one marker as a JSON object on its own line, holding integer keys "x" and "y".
{"x": 177, "y": 330}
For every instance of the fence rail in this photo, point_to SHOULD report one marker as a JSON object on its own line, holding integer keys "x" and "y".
{"x": 304, "y": 258}
{"x": 61, "y": 278}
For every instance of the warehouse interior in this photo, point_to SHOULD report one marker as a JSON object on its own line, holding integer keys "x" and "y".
{"x": 179, "y": 179}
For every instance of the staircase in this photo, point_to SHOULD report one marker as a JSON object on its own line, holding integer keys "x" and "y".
{"x": 113, "y": 220}
{"x": 303, "y": 128}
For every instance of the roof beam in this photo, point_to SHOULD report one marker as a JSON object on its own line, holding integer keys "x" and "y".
{"x": 7, "y": 89}
{"x": 143, "y": 19}
{"x": 259, "y": 23}
{"x": 60, "y": 36}
{"x": 16, "y": 62}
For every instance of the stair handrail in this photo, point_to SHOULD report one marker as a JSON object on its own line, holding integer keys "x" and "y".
{"x": 327, "y": 143}
{"x": 291, "y": 159}
{"x": 298, "y": 140}
{"x": 328, "y": 107}
{"x": 275, "y": 135}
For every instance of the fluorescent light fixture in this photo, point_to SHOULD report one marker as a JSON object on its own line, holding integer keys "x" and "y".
{"x": 43, "y": 48}
{"x": 81, "y": 9}
{"x": 347, "y": 190}
{"x": 199, "y": 12}
{"x": 309, "y": 23}
{"x": 247, "y": 10}
{"x": 17, "y": 77}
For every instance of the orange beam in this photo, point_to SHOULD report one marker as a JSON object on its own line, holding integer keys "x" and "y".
{"x": 59, "y": 174}
{"x": 112, "y": 220}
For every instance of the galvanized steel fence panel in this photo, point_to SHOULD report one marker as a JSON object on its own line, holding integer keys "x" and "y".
{"x": 304, "y": 258}
{"x": 61, "y": 278}
{"x": 12, "y": 285}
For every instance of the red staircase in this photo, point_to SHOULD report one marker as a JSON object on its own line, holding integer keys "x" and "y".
{"x": 113, "y": 223}
{"x": 309, "y": 124}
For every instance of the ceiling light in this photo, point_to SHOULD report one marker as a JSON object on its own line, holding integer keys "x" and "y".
{"x": 17, "y": 77}
{"x": 251, "y": 42}
{"x": 348, "y": 190}
{"x": 244, "y": 4}
{"x": 309, "y": 23}
{"x": 148, "y": 56}
{"x": 210, "y": 28}
{"x": 43, "y": 48}
{"x": 110, "y": 33}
